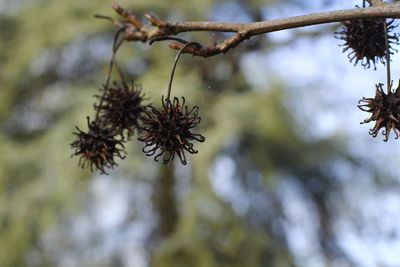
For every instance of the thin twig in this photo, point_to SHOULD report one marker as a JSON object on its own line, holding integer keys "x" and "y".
{"x": 135, "y": 31}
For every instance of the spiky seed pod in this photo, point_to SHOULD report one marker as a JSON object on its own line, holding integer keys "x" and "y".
{"x": 385, "y": 109}
{"x": 365, "y": 38}
{"x": 169, "y": 131}
{"x": 121, "y": 108}
{"x": 97, "y": 148}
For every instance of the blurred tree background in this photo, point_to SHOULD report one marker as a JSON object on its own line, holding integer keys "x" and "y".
{"x": 286, "y": 177}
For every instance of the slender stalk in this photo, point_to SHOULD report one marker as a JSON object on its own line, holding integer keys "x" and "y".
{"x": 121, "y": 74}
{"x": 116, "y": 46}
{"x": 174, "y": 66}
{"x": 387, "y": 56}
{"x": 99, "y": 16}
{"x": 167, "y": 38}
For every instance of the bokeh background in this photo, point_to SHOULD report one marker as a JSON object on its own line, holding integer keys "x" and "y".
{"x": 287, "y": 175}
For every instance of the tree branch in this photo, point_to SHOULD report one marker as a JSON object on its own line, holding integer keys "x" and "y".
{"x": 134, "y": 30}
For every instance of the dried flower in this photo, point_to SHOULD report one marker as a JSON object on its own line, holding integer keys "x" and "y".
{"x": 121, "y": 108}
{"x": 385, "y": 109}
{"x": 366, "y": 40}
{"x": 168, "y": 131}
{"x": 97, "y": 147}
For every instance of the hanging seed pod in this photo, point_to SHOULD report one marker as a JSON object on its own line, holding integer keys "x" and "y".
{"x": 385, "y": 109}
{"x": 121, "y": 108}
{"x": 365, "y": 39}
{"x": 168, "y": 131}
{"x": 97, "y": 148}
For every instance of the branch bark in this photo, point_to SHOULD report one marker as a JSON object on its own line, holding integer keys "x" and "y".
{"x": 135, "y": 31}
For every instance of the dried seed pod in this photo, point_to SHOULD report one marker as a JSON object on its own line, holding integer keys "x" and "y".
{"x": 365, "y": 38}
{"x": 169, "y": 130}
{"x": 121, "y": 108}
{"x": 385, "y": 109}
{"x": 98, "y": 147}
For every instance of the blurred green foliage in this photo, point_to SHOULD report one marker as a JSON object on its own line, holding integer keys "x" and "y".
{"x": 53, "y": 58}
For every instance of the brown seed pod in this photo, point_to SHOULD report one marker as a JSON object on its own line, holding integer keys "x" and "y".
{"x": 385, "y": 109}
{"x": 121, "y": 108}
{"x": 97, "y": 148}
{"x": 169, "y": 131}
{"x": 365, "y": 38}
